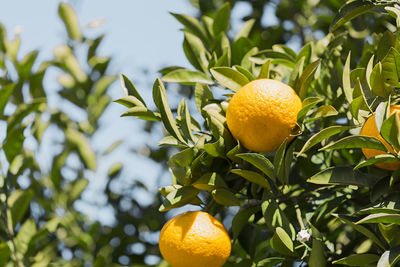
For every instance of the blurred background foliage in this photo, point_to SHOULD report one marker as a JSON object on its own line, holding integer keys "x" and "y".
{"x": 40, "y": 224}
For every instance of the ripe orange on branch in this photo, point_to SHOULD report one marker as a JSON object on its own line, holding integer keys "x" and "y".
{"x": 194, "y": 239}
{"x": 369, "y": 129}
{"x": 262, "y": 114}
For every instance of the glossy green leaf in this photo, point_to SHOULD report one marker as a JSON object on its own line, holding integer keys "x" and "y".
{"x": 191, "y": 24}
{"x": 179, "y": 197}
{"x": 129, "y": 89}
{"x": 282, "y": 243}
{"x": 260, "y": 162}
{"x": 390, "y": 130}
{"x": 308, "y": 104}
{"x": 363, "y": 230}
{"x": 349, "y": 11}
{"x": 391, "y": 68}
{"x": 229, "y": 77}
{"x": 225, "y": 197}
{"x": 186, "y": 121}
{"x": 195, "y": 52}
{"x": 188, "y": 77}
{"x": 356, "y": 141}
{"x": 161, "y": 101}
{"x": 358, "y": 260}
{"x": 25, "y": 235}
{"x": 381, "y": 218}
{"x": 377, "y": 159}
{"x": 279, "y": 163}
{"x": 389, "y": 258}
{"x": 209, "y": 181}
{"x": 202, "y": 95}
{"x": 142, "y": 113}
{"x": 377, "y": 81}
{"x": 342, "y": 176}
{"x": 322, "y": 135}
{"x": 302, "y": 85}
{"x": 253, "y": 177}
{"x": 347, "y": 89}
{"x": 245, "y": 72}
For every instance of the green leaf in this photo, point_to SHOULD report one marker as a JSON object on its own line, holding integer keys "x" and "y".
{"x": 187, "y": 77}
{"x": 253, "y": 177}
{"x": 377, "y": 159}
{"x": 377, "y": 81}
{"x": 363, "y": 230}
{"x": 216, "y": 149}
{"x": 185, "y": 122}
{"x": 391, "y": 68}
{"x": 229, "y": 77}
{"x": 25, "y": 235}
{"x": 221, "y": 20}
{"x": 195, "y": 52}
{"x": 260, "y": 162}
{"x": 281, "y": 242}
{"x": 5, "y": 253}
{"x": 264, "y": 72}
{"x": 19, "y": 203}
{"x": 263, "y": 55}
{"x": 305, "y": 52}
{"x": 348, "y": 91}
{"x": 182, "y": 158}
{"x": 395, "y": 13}
{"x": 389, "y": 233}
{"x": 322, "y": 112}
{"x": 81, "y": 143}
{"x": 245, "y": 72}
{"x": 274, "y": 216}
{"x": 161, "y": 101}
{"x": 358, "y": 260}
{"x": 389, "y": 258}
{"x": 225, "y": 197}
{"x": 302, "y": 85}
{"x": 5, "y": 93}
{"x": 308, "y": 104}
{"x": 381, "y": 218}
{"x": 70, "y": 20}
{"x": 129, "y": 89}
{"x": 349, "y": 11}
{"x": 142, "y": 113}
{"x": 279, "y": 163}
{"x": 246, "y": 29}
{"x": 317, "y": 257}
{"x": 356, "y": 141}
{"x": 322, "y": 135}
{"x": 191, "y": 24}
{"x": 179, "y": 197}
{"x": 202, "y": 95}
{"x": 390, "y": 129}
{"x": 14, "y": 142}
{"x": 342, "y": 176}
{"x": 209, "y": 181}
{"x": 241, "y": 219}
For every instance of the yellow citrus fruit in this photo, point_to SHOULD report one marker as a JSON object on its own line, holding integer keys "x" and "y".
{"x": 194, "y": 239}
{"x": 369, "y": 129}
{"x": 262, "y": 114}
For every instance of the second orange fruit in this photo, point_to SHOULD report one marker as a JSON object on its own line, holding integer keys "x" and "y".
{"x": 262, "y": 114}
{"x": 369, "y": 129}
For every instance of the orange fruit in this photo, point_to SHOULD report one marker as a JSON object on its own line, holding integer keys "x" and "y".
{"x": 369, "y": 129}
{"x": 194, "y": 239}
{"x": 262, "y": 114}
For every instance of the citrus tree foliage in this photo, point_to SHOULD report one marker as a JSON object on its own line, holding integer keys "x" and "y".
{"x": 321, "y": 182}
{"x": 39, "y": 225}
